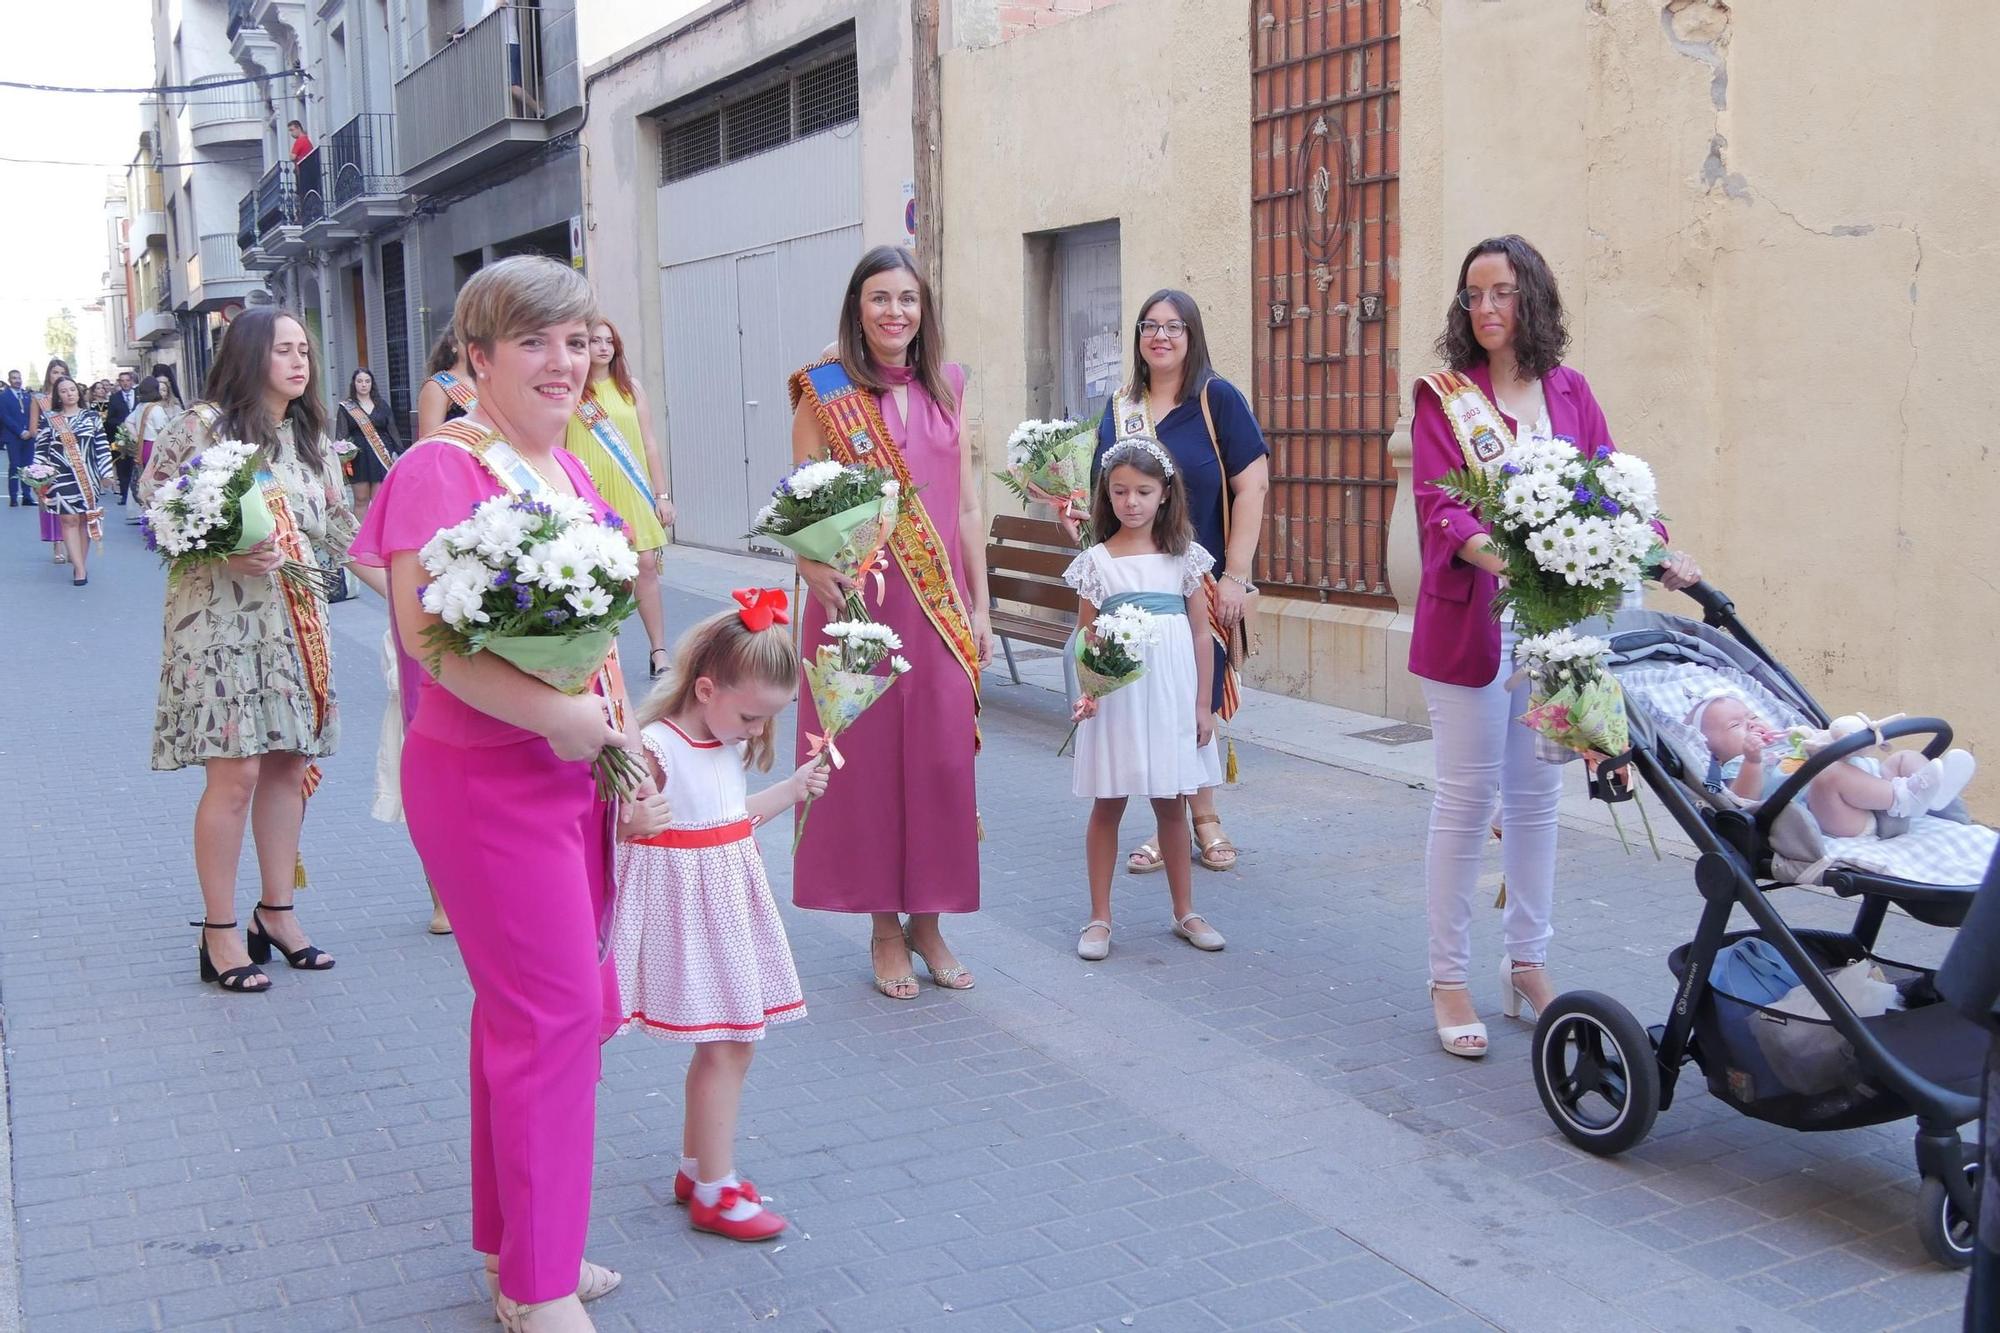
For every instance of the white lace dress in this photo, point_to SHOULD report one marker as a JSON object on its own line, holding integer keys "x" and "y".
{"x": 696, "y": 940}
{"x": 1142, "y": 741}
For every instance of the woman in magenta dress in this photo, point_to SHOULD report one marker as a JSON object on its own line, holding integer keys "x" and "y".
{"x": 897, "y": 833}
{"x": 501, "y": 804}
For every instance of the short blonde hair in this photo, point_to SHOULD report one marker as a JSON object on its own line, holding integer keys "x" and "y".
{"x": 515, "y": 296}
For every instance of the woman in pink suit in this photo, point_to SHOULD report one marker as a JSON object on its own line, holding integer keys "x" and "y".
{"x": 1505, "y": 333}
{"x": 501, "y": 804}
{"x": 897, "y": 833}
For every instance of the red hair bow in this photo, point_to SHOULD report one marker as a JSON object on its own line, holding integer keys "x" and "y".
{"x": 762, "y": 608}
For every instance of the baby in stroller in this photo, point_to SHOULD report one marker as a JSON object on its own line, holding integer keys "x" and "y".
{"x": 1868, "y": 793}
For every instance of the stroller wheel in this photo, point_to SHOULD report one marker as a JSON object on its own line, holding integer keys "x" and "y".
{"x": 1947, "y": 1234}
{"x": 1596, "y": 1072}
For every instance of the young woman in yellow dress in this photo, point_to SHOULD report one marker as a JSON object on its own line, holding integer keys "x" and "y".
{"x": 612, "y": 432}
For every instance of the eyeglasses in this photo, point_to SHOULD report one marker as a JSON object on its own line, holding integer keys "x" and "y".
{"x": 1173, "y": 328}
{"x": 1502, "y": 297}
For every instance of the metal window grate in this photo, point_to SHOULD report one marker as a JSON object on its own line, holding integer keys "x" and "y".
{"x": 759, "y": 115}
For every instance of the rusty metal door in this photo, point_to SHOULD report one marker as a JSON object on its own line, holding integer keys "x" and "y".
{"x": 1324, "y": 245}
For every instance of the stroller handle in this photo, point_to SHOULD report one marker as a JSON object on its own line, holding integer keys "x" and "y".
{"x": 1936, "y": 728}
{"x": 1716, "y": 607}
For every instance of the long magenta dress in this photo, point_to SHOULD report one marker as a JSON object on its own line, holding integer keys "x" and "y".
{"x": 518, "y": 847}
{"x": 898, "y": 827}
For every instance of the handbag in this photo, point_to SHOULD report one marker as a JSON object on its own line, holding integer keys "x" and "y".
{"x": 1242, "y": 643}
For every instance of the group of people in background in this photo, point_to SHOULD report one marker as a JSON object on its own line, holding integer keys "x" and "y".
{"x": 579, "y": 918}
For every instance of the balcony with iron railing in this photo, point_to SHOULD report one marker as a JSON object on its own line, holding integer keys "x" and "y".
{"x": 232, "y": 113}
{"x": 348, "y": 186}
{"x": 273, "y": 215}
{"x": 216, "y": 276}
{"x": 507, "y": 84}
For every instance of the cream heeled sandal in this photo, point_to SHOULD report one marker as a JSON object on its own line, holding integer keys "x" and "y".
{"x": 1512, "y": 998}
{"x": 514, "y": 1316}
{"x": 592, "y": 1281}
{"x": 1451, "y": 1037}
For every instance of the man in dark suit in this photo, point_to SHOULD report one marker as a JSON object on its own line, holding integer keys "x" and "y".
{"x": 16, "y": 408}
{"x": 119, "y": 406}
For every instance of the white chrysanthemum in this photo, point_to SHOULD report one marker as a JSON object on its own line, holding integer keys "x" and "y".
{"x": 589, "y": 602}
{"x": 899, "y": 665}
{"x": 809, "y": 477}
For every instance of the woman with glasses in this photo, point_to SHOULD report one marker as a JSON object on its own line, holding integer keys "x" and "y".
{"x": 1504, "y": 332}
{"x": 1206, "y": 425}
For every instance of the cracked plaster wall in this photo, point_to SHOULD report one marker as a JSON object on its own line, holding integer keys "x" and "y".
{"x": 1771, "y": 222}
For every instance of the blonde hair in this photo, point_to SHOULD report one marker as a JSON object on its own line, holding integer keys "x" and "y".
{"x": 518, "y": 295}
{"x": 730, "y": 653}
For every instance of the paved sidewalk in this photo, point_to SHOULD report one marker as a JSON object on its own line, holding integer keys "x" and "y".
{"x": 1265, "y": 1139}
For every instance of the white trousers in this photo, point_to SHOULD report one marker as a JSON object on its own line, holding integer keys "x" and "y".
{"x": 1484, "y": 755}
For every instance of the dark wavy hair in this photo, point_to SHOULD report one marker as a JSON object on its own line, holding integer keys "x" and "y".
{"x": 1173, "y": 529}
{"x": 1196, "y": 370}
{"x": 926, "y": 349}
{"x": 241, "y": 375}
{"x": 374, "y": 384}
{"x": 1540, "y": 334}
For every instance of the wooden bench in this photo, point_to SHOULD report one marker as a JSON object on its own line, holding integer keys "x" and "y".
{"x": 1025, "y": 560}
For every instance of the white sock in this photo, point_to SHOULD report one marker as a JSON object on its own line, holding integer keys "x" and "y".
{"x": 690, "y": 1168}
{"x": 709, "y": 1193}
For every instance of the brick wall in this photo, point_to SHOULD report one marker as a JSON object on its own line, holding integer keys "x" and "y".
{"x": 1021, "y": 16}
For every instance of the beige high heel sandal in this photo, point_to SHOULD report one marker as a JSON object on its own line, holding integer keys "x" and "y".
{"x": 514, "y": 1316}
{"x": 1450, "y": 1037}
{"x": 592, "y": 1281}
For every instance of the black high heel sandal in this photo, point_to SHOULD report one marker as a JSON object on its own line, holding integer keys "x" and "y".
{"x": 308, "y": 959}
{"x": 237, "y": 979}
{"x": 655, "y": 672}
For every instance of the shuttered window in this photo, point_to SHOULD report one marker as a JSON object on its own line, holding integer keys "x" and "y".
{"x": 805, "y": 94}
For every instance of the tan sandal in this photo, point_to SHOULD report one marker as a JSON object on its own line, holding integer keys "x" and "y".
{"x": 514, "y": 1316}
{"x": 592, "y": 1281}
{"x": 950, "y": 978}
{"x": 896, "y": 988}
{"x": 1145, "y": 859}
{"x": 1217, "y": 853}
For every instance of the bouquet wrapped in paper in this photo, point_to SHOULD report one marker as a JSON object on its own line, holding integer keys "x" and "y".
{"x": 37, "y": 477}
{"x": 1107, "y": 656}
{"x": 1575, "y": 707}
{"x": 839, "y": 515}
{"x": 215, "y": 509}
{"x": 539, "y": 583}
{"x": 1575, "y": 529}
{"x": 842, "y": 680}
{"x": 1050, "y": 461}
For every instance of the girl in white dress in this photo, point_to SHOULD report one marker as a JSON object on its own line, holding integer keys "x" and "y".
{"x": 1155, "y": 737}
{"x": 699, "y": 949}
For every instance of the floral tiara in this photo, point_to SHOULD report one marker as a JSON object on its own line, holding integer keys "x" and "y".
{"x": 1141, "y": 445}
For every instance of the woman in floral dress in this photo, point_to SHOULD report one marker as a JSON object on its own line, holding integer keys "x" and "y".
{"x": 246, "y": 685}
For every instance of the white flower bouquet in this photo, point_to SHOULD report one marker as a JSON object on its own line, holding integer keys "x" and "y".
{"x": 837, "y": 514}
{"x": 215, "y": 509}
{"x": 1108, "y": 655}
{"x": 1050, "y": 461}
{"x": 541, "y": 584}
{"x": 1575, "y": 529}
{"x": 1576, "y": 707}
{"x": 842, "y": 681}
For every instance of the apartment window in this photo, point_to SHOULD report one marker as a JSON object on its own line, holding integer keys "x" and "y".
{"x": 799, "y": 94}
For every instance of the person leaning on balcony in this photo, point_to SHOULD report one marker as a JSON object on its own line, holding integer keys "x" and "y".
{"x": 447, "y": 393}
{"x": 301, "y": 143}
{"x": 1206, "y": 424}
{"x": 1504, "y": 332}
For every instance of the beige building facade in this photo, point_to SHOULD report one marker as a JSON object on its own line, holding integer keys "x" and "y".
{"x": 1766, "y": 221}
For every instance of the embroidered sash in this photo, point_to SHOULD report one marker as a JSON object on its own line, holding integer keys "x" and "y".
{"x": 516, "y": 477}
{"x": 851, "y": 421}
{"x": 1483, "y": 437}
{"x": 1130, "y": 419}
{"x": 592, "y": 414}
{"x": 369, "y": 433}
{"x": 457, "y": 390}
{"x": 78, "y": 459}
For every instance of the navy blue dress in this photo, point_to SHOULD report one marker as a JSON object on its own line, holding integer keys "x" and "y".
{"x": 1184, "y": 434}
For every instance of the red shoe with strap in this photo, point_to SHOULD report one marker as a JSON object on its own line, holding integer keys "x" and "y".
{"x": 684, "y": 1189}
{"x": 760, "y": 1225}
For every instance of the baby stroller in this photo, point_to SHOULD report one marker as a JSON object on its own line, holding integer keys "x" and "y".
{"x": 1603, "y": 1077}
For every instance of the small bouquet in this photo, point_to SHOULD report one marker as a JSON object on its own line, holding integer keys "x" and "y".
{"x": 127, "y": 442}
{"x": 215, "y": 509}
{"x": 1575, "y": 529}
{"x": 838, "y": 514}
{"x": 345, "y": 448}
{"x": 38, "y": 477}
{"x": 1107, "y": 655}
{"x": 541, "y": 584}
{"x": 1576, "y": 707}
{"x": 1050, "y": 461}
{"x": 842, "y": 681}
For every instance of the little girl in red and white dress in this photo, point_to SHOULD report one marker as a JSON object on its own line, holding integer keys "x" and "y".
{"x": 699, "y": 949}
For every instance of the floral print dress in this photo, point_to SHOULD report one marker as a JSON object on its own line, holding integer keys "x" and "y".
{"x": 232, "y": 681}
